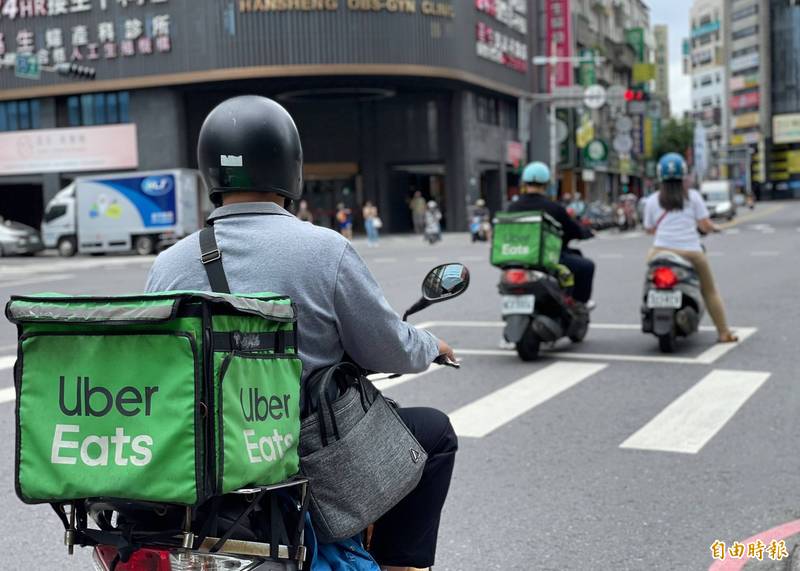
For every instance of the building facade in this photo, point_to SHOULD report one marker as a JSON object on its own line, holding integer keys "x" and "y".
{"x": 706, "y": 68}
{"x": 389, "y": 97}
{"x": 783, "y": 168}
{"x": 620, "y": 32}
{"x": 661, "y": 40}
{"x": 747, "y": 48}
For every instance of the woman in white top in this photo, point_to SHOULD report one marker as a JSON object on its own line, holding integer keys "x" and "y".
{"x": 674, "y": 215}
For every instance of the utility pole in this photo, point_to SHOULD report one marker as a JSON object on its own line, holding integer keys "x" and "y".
{"x": 551, "y": 99}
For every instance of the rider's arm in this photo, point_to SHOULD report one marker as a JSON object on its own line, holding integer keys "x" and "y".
{"x": 701, "y": 214}
{"x": 650, "y": 212}
{"x": 572, "y": 230}
{"x": 371, "y": 331}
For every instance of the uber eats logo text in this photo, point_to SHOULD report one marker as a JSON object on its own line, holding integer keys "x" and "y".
{"x": 262, "y": 408}
{"x": 84, "y": 400}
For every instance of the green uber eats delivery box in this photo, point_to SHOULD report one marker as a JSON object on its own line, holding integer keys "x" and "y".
{"x": 528, "y": 239}
{"x": 167, "y": 397}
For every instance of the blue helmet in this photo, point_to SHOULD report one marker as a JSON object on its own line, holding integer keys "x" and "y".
{"x": 536, "y": 173}
{"x": 672, "y": 167}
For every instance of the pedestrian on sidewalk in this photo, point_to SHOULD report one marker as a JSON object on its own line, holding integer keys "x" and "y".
{"x": 344, "y": 221}
{"x": 418, "y": 208}
{"x": 372, "y": 223}
{"x": 304, "y": 213}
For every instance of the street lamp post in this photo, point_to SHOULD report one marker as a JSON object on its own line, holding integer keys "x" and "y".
{"x": 551, "y": 98}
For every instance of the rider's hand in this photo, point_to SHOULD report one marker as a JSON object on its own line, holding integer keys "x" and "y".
{"x": 446, "y": 351}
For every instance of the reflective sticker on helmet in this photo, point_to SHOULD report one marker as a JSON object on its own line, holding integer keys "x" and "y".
{"x": 231, "y": 160}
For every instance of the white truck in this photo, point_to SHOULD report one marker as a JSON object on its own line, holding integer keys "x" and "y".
{"x": 139, "y": 211}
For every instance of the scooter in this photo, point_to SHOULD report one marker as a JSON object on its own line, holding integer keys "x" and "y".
{"x": 258, "y": 529}
{"x": 672, "y": 304}
{"x": 538, "y": 308}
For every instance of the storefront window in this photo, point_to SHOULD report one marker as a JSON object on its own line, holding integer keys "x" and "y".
{"x": 87, "y": 109}
{"x": 98, "y": 109}
{"x": 16, "y": 115}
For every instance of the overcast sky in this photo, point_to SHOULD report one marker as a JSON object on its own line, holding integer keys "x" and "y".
{"x": 675, "y": 14}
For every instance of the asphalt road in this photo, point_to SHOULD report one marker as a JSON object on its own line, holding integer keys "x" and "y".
{"x": 543, "y": 480}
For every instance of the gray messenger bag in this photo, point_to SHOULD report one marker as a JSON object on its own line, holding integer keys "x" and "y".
{"x": 357, "y": 453}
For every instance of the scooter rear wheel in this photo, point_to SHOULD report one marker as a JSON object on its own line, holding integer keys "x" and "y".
{"x": 667, "y": 342}
{"x": 528, "y": 346}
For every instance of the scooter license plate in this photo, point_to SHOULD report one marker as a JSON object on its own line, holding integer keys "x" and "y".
{"x": 518, "y": 304}
{"x": 664, "y": 299}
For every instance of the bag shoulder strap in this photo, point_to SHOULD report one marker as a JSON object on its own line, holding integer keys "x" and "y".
{"x": 212, "y": 261}
{"x": 660, "y": 219}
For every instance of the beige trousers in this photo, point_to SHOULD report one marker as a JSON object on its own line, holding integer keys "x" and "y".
{"x": 710, "y": 294}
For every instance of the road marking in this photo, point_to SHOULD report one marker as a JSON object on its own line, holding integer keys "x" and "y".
{"x": 765, "y": 253}
{"x": 8, "y": 395}
{"x": 713, "y": 353}
{"x": 582, "y": 356}
{"x": 42, "y": 279}
{"x": 707, "y": 357}
{"x": 383, "y": 383}
{"x": 610, "y": 326}
{"x": 7, "y": 362}
{"x": 733, "y": 231}
{"x": 485, "y": 415}
{"x": 690, "y": 421}
{"x": 755, "y": 216}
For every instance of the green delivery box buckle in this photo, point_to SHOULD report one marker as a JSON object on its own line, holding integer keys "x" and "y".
{"x": 111, "y": 423}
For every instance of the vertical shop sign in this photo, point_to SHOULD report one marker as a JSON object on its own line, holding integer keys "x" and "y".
{"x": 559, "y": 38}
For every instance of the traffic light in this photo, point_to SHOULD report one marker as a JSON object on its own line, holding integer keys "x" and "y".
{"x": 636, "y": 95}
{"x": 76, "y": 70}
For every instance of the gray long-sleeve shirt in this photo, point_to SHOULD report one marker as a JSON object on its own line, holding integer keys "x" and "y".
{"x": 341, "y": 307}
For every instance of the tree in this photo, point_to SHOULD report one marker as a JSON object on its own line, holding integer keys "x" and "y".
{"x": 676, "y": 136}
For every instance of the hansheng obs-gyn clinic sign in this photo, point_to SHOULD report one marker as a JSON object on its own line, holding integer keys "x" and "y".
{"x": 109, "y": 40}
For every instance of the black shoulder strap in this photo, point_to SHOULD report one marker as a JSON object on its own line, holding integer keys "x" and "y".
{"x": 212, "y": 261}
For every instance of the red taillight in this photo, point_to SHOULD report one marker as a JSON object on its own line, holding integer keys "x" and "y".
{"x": 141, "y": 560}
{"x": 515, "y": 277}
{"x": 664, "y": 278}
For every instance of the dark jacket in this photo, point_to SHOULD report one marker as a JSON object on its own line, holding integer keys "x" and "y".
{"x": 572, "y": 230}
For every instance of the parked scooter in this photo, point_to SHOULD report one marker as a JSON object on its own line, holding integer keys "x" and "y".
{"x": 259, "y": 529}
{"x": 673, "y": 302}
{"x": 538, "y": 308}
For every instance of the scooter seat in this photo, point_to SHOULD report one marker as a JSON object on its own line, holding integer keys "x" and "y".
{"x": 672, "y": 259}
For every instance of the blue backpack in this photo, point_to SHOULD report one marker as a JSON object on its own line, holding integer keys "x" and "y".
{"x": 346, "y": 555}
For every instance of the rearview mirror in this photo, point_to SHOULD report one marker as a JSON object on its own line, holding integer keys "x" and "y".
{"x": 445, "y": 282}
{"x": 442, "y": 282}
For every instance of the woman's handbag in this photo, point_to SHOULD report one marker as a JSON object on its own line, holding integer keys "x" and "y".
{"x": 359, "y": 456}
{"x": 377, "y": 223}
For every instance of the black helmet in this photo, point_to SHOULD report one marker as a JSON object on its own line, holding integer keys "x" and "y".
{"x": 250, "y": 143}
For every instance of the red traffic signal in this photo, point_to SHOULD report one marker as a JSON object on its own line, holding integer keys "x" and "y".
{"x": 636, "y": 95}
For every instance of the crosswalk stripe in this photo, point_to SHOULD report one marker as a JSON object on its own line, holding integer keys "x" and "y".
{"x": 386, "y": 383}
{"x": 489, "y": 413}
{"x": 7, "y": 362}
{"x": 690, "y": 421}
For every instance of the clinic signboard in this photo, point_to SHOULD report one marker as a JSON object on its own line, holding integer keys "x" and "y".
{"x": 83, "y": 149}
{"x": 196, "y": 41}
